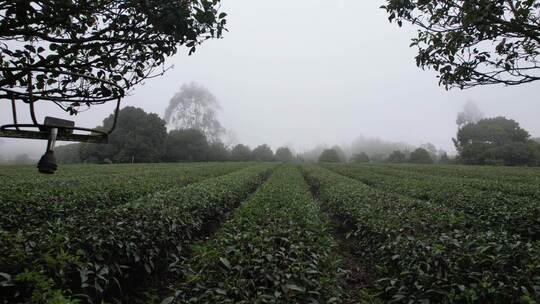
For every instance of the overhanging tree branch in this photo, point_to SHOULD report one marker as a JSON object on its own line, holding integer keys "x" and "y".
{"x": 118, "y": 41}
{"x": 474, "y": 42}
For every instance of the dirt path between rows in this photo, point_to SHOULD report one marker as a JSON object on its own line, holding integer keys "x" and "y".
{"x": 357, "y": 277}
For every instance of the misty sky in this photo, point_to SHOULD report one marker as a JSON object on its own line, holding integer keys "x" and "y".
{"x": 306, "y": 72}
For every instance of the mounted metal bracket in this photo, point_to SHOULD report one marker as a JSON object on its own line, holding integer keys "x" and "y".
{"x": 54, "y": 129}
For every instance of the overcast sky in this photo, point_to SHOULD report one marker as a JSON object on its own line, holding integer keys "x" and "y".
{"x": 306, "y": 72}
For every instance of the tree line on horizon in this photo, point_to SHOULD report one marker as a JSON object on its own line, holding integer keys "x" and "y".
{"x": 479, "y": 141}
{"x": 142, "y": 137}
{"x": 195, "y": 135}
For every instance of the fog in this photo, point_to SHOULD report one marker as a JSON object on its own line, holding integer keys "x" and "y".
{"x": 310, "y": 72}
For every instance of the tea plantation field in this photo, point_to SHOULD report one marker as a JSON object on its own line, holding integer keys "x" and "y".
{"x": 270, "y": 233}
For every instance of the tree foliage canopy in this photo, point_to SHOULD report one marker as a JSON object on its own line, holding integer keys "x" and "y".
{"x": 186, "y": 145}
{"x": 474, "y": 42}
{"x": 262, "y": 153}
{"x": 496, "y": 141}
{"x": 470, "y": 114}
{"x": 284, "y": 154}
{"x": 68, "y": 154}
{"x": 361, "y": 157}
{"x": 444, "y": 158}
{"x": 217, "y": 151}
{"x": 116, "y": 44}
{"x": 194, "y": 107}
{"x": 420, "y": 156}
{"x": 22, "y": 159}
{"x": 341, "y": 154}
{"x": 138, "y": 137}
{"x": 329, "y": 156}
{"x": 376, "y": 148}
{"x": 498, "y": 130}
{"x": 241, "y": 152}
{"x": 396, "y": 157}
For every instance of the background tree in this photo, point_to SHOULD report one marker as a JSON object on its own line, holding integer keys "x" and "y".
{"x": 121, "y": 42}
{"x": 284, "y": 154}
{"x": 313, "y": 154}
{"x": 474, "y": 42}
{"x": 444, "y": 158}
{"x": 262, "y": 153}
{"x": 187, "y": 145}
{"x": 329, "y": 156}
{"x": 397, "y": 157}
{"x": 68, "y": 154}
{"x": 470, "y": 114}
{"x": 360, "y": 158}
{"x": 217, "y": 151}
{"x": 420, "y": 156}
{"x": 376, "y": 148}
{"x": 495, "y": 141}
{"x": 22, "y": 159}
{"x": 431, "y": 149}
{"x": 138, "y": 136}
{"x": 241, "y": 153}
{"x": 194, "y": 107}
{"x": 342, "y": 155}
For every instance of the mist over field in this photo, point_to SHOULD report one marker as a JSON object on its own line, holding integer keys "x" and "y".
{"x": 308, "y": 73}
